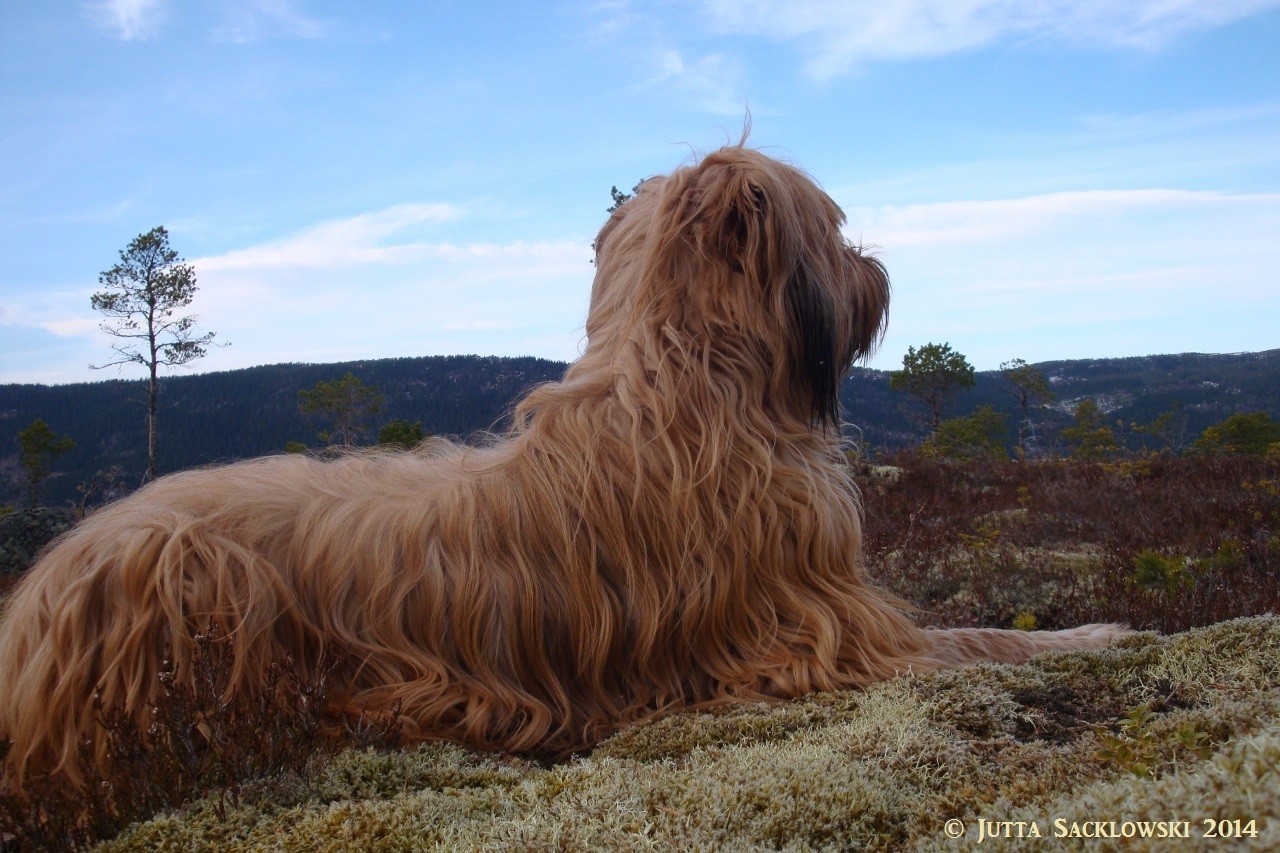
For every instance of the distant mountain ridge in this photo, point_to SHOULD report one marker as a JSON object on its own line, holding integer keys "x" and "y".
{"x": 228, "y": 415}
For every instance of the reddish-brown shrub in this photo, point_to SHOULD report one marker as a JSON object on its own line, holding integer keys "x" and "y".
{"x": 979, "y": 544}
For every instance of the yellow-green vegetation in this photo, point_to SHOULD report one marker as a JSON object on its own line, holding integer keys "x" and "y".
{"x": 1177, "y": 728}
{"x": 1248, "y": 433}
{"x": 1025, "y": 622}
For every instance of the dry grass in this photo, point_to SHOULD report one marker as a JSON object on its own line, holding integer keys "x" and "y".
{"x": 1179, "y": 727}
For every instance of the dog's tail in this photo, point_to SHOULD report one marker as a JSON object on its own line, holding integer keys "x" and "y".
{"x": 956, "y": 646}
{"x": 105, "y": 612}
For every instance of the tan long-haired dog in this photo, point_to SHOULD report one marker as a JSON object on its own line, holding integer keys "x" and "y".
{"x": 668, "y": 527}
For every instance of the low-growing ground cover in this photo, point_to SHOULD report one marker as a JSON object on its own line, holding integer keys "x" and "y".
{"x": 1177, "y": 730}
{"x": 1164, "y": 731}
{"x": 1160, "y": 543}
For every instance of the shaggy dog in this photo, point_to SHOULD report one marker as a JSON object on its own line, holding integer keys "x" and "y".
{"x": 669, "y": 527}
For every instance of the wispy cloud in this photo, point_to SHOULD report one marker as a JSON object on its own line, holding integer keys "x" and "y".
{"x": 73, "y": 327}
{"x": 989, "y": 221}
{"x": 253, "y": 20}
{"x": 243, "y": 21}
{"x": 381, "y": 284}
{"x": 130, "y": 20}
{"x": 362, "y": 239}
{"x": 713, "y": 82}
{"x": 608, "y": 19}
{"x": 839, "y": 34}
{"x": 64, "y": 313}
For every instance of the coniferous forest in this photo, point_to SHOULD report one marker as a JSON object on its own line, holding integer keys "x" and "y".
{"x": 224, "y": 416}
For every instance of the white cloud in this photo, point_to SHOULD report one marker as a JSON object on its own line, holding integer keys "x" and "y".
{"x": 49, "y": 335}
{"x": 1068, "y": 275}
{"x": 243, "y": 21}
{"x": 74, "y": 327}
{"x": 838, "y": 34}
{"x": 64, "y": 313}
{"x": 608, "y": 19}
{"x": 477, "y": 326}
{"x": 130, "y": 20}
{"x": 381, "y": 284}
{"x": 374, "y": 286}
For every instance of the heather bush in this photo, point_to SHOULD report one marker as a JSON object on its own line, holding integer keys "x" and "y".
{"x": 1158, "y": 542}
{"x": 196, "y": 741}
{"x": 23, "y": 533}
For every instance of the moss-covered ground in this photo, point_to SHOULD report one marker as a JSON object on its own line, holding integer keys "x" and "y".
{"x": 1178, "y": 729}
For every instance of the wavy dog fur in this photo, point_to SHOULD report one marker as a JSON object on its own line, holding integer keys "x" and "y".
{"x": 669, "y": 527}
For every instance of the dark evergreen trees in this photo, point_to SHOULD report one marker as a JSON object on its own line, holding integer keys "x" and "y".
{"x": 931, "y": 374}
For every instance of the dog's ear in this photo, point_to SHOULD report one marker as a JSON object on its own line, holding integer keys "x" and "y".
{"x": 826, "y": 337}
{"x": 815, "y": 359}
{"x": 732, "y": 223}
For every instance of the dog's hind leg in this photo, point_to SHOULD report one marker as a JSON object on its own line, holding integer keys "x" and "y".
{"x": 956, "y": 646}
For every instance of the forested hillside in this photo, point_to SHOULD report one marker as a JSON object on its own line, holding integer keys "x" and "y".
{"x": 217, "y": 417}
{"x": 1202, "y": 389}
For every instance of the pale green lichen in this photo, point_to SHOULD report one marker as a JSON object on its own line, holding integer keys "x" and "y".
{"x": 880, "y": 769}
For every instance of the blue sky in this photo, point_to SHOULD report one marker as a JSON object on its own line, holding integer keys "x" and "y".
{"x": 1043, "y": 179}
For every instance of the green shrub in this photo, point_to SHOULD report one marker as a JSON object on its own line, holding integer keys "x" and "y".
{"x": 1154, "y": 570}
{"x": 979, "y": 436}
{"x": 1025, "y": 622}
{"x": 1253, "y": 434}
{"x": 1092, "y": 437}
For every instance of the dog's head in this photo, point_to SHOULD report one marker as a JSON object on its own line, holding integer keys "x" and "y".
{"x": 741, "y": 255}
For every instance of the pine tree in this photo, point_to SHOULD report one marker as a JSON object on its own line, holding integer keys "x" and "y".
{"x": 143, "y": 293}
